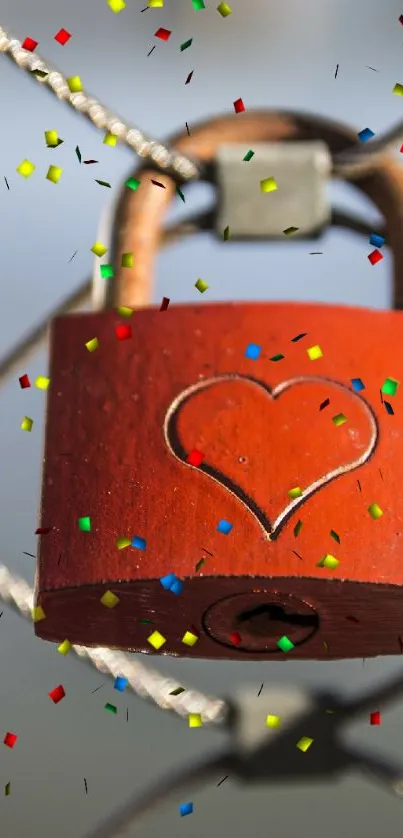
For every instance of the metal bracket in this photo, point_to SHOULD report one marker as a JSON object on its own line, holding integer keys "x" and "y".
{"x": 301, "y": 171}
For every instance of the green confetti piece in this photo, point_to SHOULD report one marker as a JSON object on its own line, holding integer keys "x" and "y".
{"x": 389, "y": 387}
{"x": 298, "y": 528}
{"x": 294, "y": 493}
{"x": 40, "y": 74}
{"x": 146, "y": 622}
{"x": 111, "y": 708}
{"x": 7, "y": 789}
{"x": 285, "y": 644}
{"x": 248, "y": 156}
{"x": 103, "y": 183}
{"x": 78, "y": 153}
{"x": 198, "y": 5}
{"x": 132, "y": 183}
{"x": 84, "y": 524}
{"x": 335, "y": 536}
{"x": 186, "y": 44}
{"x": 278, "y": 357}
{"x": 290, "y": 230}
{"x": 107, "y": 271}
{"x": 180, "y": 193}
{"x": 199, "y": 565}
{"x": 226, "y": 234}
{"x": 398, "y": 89}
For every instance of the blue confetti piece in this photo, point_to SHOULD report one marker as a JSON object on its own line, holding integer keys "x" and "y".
{"x": 139, "y": 543}
{"x": 376, "y": 240}
{"x": 186, "y": 809}
{"x": 389, "y": 409}
{"x": 224, "y": 527}
{"x": 365, "y": 135}
{"x": 120, "y": 683}
{"x": 168, "y": 581}
{"x": 252, "y": 351}
{"x": 177, "y": 587}
{"x": 357, "y": 384}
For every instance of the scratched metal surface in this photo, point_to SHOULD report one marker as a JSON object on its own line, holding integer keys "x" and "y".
{"x": 258, "y": 54}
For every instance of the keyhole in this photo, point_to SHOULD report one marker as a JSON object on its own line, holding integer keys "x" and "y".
{"x": 261, "y": 617}
{"x": 272, "y": 619}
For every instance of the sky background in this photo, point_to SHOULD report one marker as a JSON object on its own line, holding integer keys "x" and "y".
{"x": 280, "y": 54}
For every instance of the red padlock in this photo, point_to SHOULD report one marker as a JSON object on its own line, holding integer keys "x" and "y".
{"x": 269, "y": 486}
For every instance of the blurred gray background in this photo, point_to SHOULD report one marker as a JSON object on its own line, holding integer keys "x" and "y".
{"x": 278, "y": 54}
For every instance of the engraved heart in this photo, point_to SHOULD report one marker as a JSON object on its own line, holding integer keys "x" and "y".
{"x": 258, "y": 443}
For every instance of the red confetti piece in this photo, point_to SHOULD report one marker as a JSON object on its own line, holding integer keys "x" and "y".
{"x": 123, "y": 332}
{"x": 29, "y": 44}
{"x": 163, "y": 34}
{"x": 195, "y": 458}
{"x": 88, "y": 162}
{"x": 62, "y": 36}
{"x": 43, "y": 530}
{"x": 235, "y": 638}
{"x": 239, "y": 106}
{"x": 375, "y": 718}
{"x": 157, "y": 183}
{"x": 375, "y": 257}
{"x": 57, "y": 694}
{"x": 165, "y": 303}
{"x": 10, "y": 739}
{"x": 401, "y": 19}
{"x": 189, "y": 77}
{"x": 352, "y": 619}
{"x": 401, "y": 149}
{"x": 24, "y": 381}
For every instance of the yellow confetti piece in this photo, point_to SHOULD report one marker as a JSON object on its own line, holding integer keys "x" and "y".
{"x": 26, "y": 168}
{"x": 42, "y": 383}
{"x": 268, "y": 185}
{"x": 189, "y": 639}
{"x": 375, "y": 511}
{"x": 273, "y": 721}
{"x": 110, "y": 139}
{"x": 54, "y": 174}
{"x": 156, "y": 640}
{"x": 92, "y": 344}
{"x": 295, "y": 493}
{"x": 339, "y": 419}
{"x": 27, "y": 424}
{"x": 109, "y": 599}
{"x": 64, "y": 647}
{"x": 38, "y": 614}
{"x": 51, "y": 138}
{"x": 127, "y": 261}
{"x": 74, "y": 84}
{"x": 195, "y": 720}
{"x": 224, "y": 10}
{"x": 201, "y": 286}
{"x": 328, "y": 561}
{"x": 99, "y": 249}
{"x": 121, "y": 543}
{"x": 124, "y": 311}
{"x": 155, "y": 4}
{"x": 398, "y": 89}
{"x": 314, "y": 352}
{"x": 116, "y": 6}
{"x": 304, "y": 744}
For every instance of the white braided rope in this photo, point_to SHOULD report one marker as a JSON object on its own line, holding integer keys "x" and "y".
{"x": 145, "y": 682}
{"x": 99, "y": 115}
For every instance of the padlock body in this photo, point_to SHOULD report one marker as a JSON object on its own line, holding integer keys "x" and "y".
{"x": 242, "y": 470}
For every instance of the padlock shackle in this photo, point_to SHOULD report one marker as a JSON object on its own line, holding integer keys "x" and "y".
{"x": 140, "y": 214}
